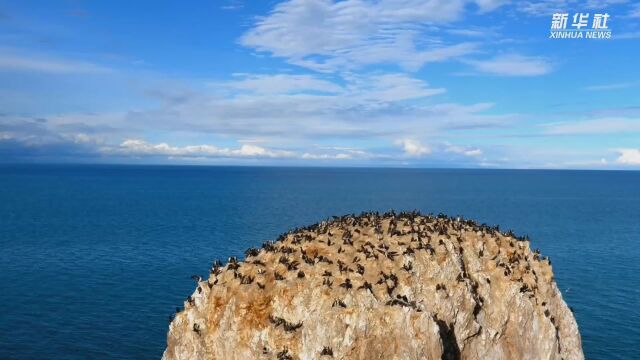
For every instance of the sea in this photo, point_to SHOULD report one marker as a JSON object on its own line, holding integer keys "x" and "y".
{"x": 94, "y": 258}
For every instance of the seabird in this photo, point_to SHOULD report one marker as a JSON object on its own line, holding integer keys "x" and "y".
{"x": 346, "y": 284}
{"x": 366, "y": 285}
{"x": 326, "y": 351}
{"x": 408, "y": 266}
{"x": 338, "y": 302}
{"x": 251, "y": 252}
{"x": 284, "y": 355}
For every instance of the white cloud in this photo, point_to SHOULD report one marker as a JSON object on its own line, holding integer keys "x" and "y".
{"x": 141, "y": 147}
{"x": 389, "y": 88}
{"x": 468, "y": 32}
{"x": 280, "y": 84}
{"x": 472, "y": 152}
{"x": 608, "y": 125}
{"x": 377, "y": 112}
{"x": 368, "y": 111}
{"x": 324, "y": 35}
{"x": 628, "y": 156}
{"x": 489, "y": 5}
{"x": 543, "y": 7}
{"x": 340, "y": 156}
{"x": 548, "y": 7}
{"x": 601, "y": 4}
{"x": 513, "y": 65}
{"x": 413, "y": 147}
{"x": 384, "y": 87}
{"x": 28, "y": 62}
{"x": 635, "y": 11}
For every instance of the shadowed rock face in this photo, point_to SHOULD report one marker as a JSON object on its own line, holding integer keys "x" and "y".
{"x": 391, "y": 286}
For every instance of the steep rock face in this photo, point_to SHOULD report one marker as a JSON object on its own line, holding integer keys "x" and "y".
{"x": 391, "y": 286}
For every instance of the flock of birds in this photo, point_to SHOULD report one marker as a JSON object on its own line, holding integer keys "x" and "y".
{"x": 342, "y": 250}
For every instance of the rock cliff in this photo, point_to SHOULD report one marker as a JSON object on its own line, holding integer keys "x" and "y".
{"x": 380, "y": 286}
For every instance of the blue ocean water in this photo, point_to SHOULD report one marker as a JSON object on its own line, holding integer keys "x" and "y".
{"x": 94, "y": 258}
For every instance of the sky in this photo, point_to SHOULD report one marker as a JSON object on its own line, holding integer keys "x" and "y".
{"x": 397, "y": 83}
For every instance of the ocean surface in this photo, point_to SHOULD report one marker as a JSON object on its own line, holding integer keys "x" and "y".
{"x": 93, "y": 259}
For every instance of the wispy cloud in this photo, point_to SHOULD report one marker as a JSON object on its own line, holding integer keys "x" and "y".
{"x": 513, "y": 65}
{"x": 543, "y": 7}
{"x": 280, "y": 84}
{"x": 327, "y": 36}
{"x": 466, "y": 151}
{"x": 490, "y": 5}
{"x": 615, "y": 86}
{"x": 12, "y": 61}
{"x": 609, "y": 125}
{"x": 634, "y": 11}
{"x": 385, "y": 87}
{"x": 548, "y": 7}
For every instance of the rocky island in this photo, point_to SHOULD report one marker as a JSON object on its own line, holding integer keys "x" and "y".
{"x": 380, "y": 286}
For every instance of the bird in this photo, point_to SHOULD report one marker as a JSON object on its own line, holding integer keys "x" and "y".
{"x": 391, "y": 255}
{"x": 251, "y": 252}
{"x": 346, "y": 284}
{"x": 284, "y": 355}
{"x": 246, "y": 279}
{"x": 338, "y": 302}
{"x": 259, "y": 263}
{"x": 292, "y": 266}
{"x": 408, "y": 266}
{"x": 290, "y": 327}
{"x": 326, "y": 351}
{"x": 367, "y": 286}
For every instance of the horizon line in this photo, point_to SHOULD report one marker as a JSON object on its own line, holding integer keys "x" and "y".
{"x": 299, "y": 166}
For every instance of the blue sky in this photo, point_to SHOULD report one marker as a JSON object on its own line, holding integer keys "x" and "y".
{"x": 320, "y": 83}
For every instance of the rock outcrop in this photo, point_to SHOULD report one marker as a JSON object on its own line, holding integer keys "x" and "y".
{"x": 388, "y": 286}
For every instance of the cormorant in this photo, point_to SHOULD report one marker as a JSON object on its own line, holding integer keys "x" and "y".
{"x": 326, "y": 351}
{"x": 338, "y": 302}
{"x": 346, "y": 284}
